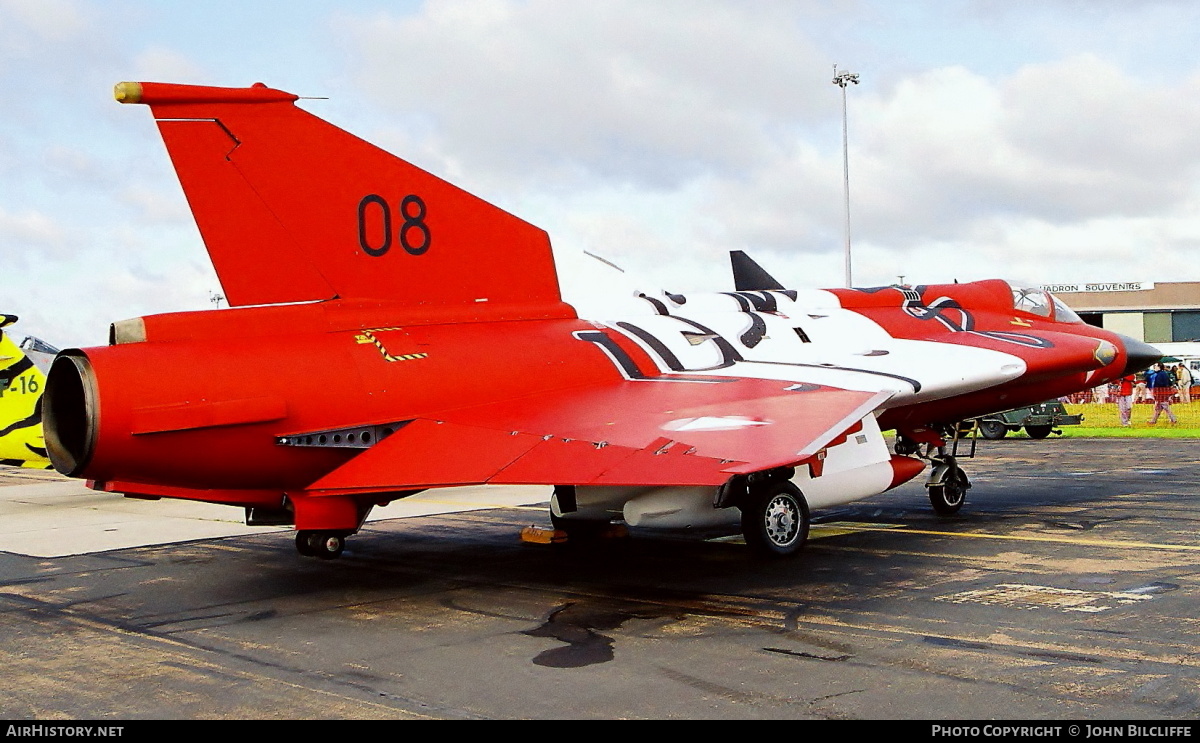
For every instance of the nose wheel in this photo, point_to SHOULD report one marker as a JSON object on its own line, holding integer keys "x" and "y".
{"x": 325, "y": 545}
{"x": 948, "y": 496}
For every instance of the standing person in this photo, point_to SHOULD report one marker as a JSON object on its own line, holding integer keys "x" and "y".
{"x": 1140, "y": 392}
{"x": 1124, "y": 395}
{"x": 1183, "y": 380}
{"x": 1158, "y": 380}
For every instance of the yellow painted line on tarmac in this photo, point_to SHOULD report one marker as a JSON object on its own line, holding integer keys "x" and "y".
{"x": 838, "y": 528}
{"x": 821, "y": 531}
{"x": 847, "y": 527}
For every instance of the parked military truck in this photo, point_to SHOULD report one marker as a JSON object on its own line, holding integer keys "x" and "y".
{"x": 1039, "y": 421}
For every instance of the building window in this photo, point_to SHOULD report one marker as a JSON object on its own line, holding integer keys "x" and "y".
{"x": 1185, "y": 326}
{"x": 1157, "y": 327}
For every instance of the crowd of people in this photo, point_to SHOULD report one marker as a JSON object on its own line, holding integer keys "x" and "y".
{"x": 1162, "y": 385}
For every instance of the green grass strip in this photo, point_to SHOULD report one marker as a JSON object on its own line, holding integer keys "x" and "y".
{"x": 1164, "y": 430}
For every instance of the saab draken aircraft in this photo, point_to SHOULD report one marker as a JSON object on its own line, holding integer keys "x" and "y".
{"x": 390, "y": 332}
{"x": 22, "y": 379}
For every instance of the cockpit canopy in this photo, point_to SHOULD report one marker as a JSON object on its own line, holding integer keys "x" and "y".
{"x": 1042, "y": 303}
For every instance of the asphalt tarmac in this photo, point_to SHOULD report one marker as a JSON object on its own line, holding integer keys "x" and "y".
{"x": 1065, "y": 590}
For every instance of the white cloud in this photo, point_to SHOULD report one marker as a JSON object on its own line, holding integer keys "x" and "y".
{"x": 1136, "y": 138}
{"x": 101, "y": 295}
{"x": 652, "y": 93}
{"x": 153, "y": 206}
{"x": 26, "y": 234}
{"x": 67, "y": 164}
{"x": 30, "y": 23}
{"x": 164, "y": 64}
{"x": 1070, "y": 168}
{"x": 44, "y": 45}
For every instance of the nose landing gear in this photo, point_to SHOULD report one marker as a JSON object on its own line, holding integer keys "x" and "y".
{"x": 948, "y": 483}
{"x": 948, "y": 486}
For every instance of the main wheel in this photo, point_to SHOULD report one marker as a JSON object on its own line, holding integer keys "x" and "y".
{"x": 775, "y": 519}
{"x": 326, "y": 545}
{"x": 302, "y": 546}
{"x": 993, "y": 430}
{"x": 1038, "y": 432}
{"x": 949, "y": 497}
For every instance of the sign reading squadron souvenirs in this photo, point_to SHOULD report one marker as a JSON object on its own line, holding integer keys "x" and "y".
{"x": 1119, "y": 286}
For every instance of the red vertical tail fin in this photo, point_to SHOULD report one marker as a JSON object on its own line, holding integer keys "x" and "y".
{"x": 292, "y": 208}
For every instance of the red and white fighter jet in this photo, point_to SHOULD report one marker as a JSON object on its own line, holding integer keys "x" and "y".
{"x": 390, "y": 333}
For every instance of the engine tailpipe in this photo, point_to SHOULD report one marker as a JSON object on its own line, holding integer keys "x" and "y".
{"x": 70, "y": 411}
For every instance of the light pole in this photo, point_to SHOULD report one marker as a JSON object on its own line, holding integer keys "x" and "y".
{"x": 842, "y": 79}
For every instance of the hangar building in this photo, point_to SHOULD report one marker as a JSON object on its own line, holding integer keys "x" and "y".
{"x": 1154, "y": 312}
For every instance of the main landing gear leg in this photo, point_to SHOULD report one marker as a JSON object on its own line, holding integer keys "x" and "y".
{"x": 948, "y": 484}
{"x": 573, "y": 530}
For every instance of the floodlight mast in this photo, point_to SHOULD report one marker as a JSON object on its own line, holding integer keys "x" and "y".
{"x": 842, "y": 79}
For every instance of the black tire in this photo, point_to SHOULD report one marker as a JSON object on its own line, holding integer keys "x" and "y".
{"x": 775, "y": 519}
{"x": 1038, "y": 432}
{"x": 326, "y": 545}
{"x": 993, "y": 430}
{"x": 302, "y": 545}
{"x": 949, "y": 497}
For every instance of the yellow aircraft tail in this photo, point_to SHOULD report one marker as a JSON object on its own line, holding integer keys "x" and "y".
{"x": 21, "y": 384}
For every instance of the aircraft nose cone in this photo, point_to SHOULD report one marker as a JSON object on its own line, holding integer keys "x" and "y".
{"x": 1139, "y": 355}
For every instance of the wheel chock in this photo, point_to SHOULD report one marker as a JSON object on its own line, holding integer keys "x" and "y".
{"x": 542, "y": 535}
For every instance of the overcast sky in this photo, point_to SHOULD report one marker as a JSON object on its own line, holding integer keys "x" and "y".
{"x": 1044, "y": 142}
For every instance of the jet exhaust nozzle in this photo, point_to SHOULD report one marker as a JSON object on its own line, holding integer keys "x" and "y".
{"x": 70, "y": 412}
